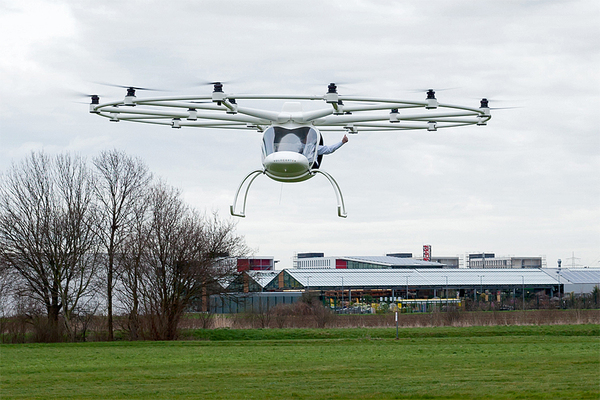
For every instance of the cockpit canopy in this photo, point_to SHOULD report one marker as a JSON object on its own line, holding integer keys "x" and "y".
{"x": 301, "y": 140}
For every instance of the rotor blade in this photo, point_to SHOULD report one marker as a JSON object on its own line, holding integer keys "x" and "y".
{"x": 75, "y": 93}
{"x": 432, "y": 88}
{"x": 492, "y": 99}
{"x": 211, "y": 83}
{"x": 132, "y": 87}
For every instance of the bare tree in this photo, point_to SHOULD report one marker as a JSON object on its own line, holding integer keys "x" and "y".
{"x": 187, "y": 256}
{"x": 121, "y": 185}
{"x": 47, "y": 231}
{"x": 7, "y": 288}
{"x": 130, "y": 266}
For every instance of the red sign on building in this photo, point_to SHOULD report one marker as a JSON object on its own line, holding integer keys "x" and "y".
{"x": 426, "y": 252}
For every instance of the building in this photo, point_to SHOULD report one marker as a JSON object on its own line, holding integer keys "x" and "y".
{"x": 448, "y": 262}
{"x": 576, "y": 280}
{"x": 364, "y": 262}
{"x": 421, "y": 287}
{"x": 489, "y": 260}
{"x": 255, "y": 264}
{"x": 251, "y": 281}
{"x": 417, "y": 281}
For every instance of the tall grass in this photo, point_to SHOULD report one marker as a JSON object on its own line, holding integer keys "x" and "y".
{"x": 20, "y": 330}
{"x": 435, "y": 319}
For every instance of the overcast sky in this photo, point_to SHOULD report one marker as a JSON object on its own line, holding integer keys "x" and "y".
{"x": 528, "y": 184}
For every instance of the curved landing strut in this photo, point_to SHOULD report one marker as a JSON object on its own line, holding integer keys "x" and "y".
{"x": 254, "y": 174}
{"x": 338, "y": 192}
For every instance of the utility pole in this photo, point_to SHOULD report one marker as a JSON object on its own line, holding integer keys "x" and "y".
{"x": 523, "y": 289}
{"x": 446, "y": 276}
{"x": 396, "y": 325}
{"x": 342, "y": 303}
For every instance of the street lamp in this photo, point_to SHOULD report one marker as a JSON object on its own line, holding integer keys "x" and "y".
{"x": 559, "y": 299}
{"x": 446, "y": 276}
{"x": 523, "y": 290}
{"x": 342, "y": 303}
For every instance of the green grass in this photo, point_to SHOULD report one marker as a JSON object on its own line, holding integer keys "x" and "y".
{"x": 387, "y": 333}
{"x": 547, "y": 362}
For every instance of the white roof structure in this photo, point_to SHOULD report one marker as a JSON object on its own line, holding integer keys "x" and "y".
{"x": 576, "y": 275}
{"x": 366, "y": 261}
{"x": 393, "y": 261}
{"x": 391, "y": 278}
{"x": 576, "y": 280}
{"x": 263, "y": 277}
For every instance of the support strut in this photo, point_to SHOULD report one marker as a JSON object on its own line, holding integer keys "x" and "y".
{"x": 252, "y": 176}
{"x": 338, "y": 192}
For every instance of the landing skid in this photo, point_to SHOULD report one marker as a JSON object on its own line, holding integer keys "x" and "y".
{"x": 252, "y": 176}
{"x": 338, "y": 192}
{"x": 245, "y": 186}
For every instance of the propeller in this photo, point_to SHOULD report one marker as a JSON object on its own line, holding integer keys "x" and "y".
{"x": 131, "y": 89}
{"x": 95, "y": 98}
{"x": 337, "y": 84}
{"x": 484, "y": 102}
{"x": 431, "y": 89}
{"x": 503, "y": 108}
{"x": 215, "y": 84}
{"x": 342, "y": 85}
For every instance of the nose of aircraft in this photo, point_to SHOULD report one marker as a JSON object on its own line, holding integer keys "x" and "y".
{"x": 286, "y": 164}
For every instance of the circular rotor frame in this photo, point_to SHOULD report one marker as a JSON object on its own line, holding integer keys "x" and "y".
{"x": 343, "y": 113}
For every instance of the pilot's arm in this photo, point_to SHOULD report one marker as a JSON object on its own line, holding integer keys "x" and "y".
{"x": 332, "y": 148}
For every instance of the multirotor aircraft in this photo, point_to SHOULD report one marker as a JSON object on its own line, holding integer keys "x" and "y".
{"x": 292, "y": 136}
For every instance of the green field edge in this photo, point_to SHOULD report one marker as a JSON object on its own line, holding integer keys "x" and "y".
{"x": 272, "y": 334}
{"x": 389, "y": 333}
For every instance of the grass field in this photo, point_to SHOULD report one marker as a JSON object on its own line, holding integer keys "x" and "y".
{"x": 546, "y": 362}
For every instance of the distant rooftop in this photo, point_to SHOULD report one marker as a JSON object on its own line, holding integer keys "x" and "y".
{"x": 392, "y": 261}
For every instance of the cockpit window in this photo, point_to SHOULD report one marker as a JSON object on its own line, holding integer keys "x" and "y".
{"x": 299, "y": 140}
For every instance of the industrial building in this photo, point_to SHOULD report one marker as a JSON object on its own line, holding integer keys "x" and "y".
{"x": 406, "y": 260}
{"x": 416, "y": 285}
{"x": 489, "y": 260}
{"x": 412, "y": 281}
{"x": 255, "y": 264}
{"x": 363, "y": 262}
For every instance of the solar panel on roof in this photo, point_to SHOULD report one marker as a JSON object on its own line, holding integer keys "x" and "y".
{"x": 581, "y": 276}
{"x": 419, "y": 277}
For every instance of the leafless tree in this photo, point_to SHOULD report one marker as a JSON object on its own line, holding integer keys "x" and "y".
{"x": 122, "y": 182}
{"x": 7, "y": 288}
{"x": 130, "y": 266}
{"x": 48, "y": 231}
{"x": 186, "y": 258}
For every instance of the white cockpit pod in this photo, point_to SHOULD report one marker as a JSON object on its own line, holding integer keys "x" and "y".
{"x": 288, "y": 153}
{"x": 302, "y": 140}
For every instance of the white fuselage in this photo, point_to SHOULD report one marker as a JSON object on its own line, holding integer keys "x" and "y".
{"x": 289, "y": 152}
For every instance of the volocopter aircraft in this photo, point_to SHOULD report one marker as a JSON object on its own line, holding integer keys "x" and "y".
{"x": 292, "y": 136}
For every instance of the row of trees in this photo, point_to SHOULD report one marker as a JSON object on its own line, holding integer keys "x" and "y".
{"x": 79, "y": 240}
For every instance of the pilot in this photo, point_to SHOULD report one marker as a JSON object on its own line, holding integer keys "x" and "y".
{"x": 327, "y": 150}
